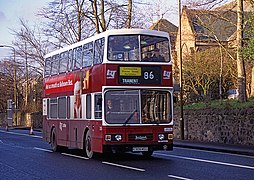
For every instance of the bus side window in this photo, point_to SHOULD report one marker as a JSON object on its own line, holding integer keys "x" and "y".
{"x": 48, "y": 109}
{"x": 53, "y": 108}
{"x": 68, "y": 107}
{"x": 98, "y": 51}
{"x": 47, "y": 71}
{"x": 88, "y": 54}
{"x": 98, "y": 106}
{"x": 88, "y": 106}
{"x": 62, "y": 108}
{"x": 63, "y": 62}
{"x": 70, "y": 60}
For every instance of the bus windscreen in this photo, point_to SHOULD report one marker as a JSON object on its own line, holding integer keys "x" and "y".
{"x": 138, "y": 107}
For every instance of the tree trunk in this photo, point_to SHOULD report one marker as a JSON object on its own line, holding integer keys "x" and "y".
{"x": 129, "y": 14}
{"x": 79, "y": 11}
{"x": 103, "y": 22}
{"x": 241, "y": 77}
{"x": 95, "y": 12}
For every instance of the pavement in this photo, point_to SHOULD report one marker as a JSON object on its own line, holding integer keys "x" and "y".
{"x": 208, "y": 146}
{"x": 218, "y": 147}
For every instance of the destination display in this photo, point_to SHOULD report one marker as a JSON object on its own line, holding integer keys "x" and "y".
{"x": 139, "y": 75}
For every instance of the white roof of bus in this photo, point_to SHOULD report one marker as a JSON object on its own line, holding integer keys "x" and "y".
{"x": 108, "y": 33}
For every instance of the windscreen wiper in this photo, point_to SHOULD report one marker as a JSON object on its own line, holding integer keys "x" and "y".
{"x": 131, "y": 115}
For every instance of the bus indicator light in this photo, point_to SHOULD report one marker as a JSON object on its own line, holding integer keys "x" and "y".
{"x": 107, "y": 137}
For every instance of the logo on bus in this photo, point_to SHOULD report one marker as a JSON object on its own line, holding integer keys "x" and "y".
{"x": 166, "y": 74}
{"x": 111, "y": 74}
{"x": 141, "y": 138}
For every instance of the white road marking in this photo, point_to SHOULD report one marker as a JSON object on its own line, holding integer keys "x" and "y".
{"x": 7, "y": 166}
{"x": 123, "y": 166}
{"x": 178, "y": 177}
{"x": 71, "y": 155}
{"x": 46, "y": 150}
{"x": 215, "y": 152}
{"x": 1, "y": 141}
{"x": 206, "y": 161}
{"x": 8, "y": 132}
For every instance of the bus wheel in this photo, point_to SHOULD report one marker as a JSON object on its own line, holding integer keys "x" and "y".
{"x": 147, "y": 154}
{"x": 88, "y": 145}
{"x": 53, "y": 142}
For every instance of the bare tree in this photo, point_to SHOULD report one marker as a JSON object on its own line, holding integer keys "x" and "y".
{"x": 201, "y": 80}
{"x": 30, "y": 44}
{"x": 65, "y": 23}
{"x": 205, "y": 4}
{"x": 6, "y": 83}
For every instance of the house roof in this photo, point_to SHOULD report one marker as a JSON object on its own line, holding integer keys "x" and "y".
{"x": 166, "y": 26}
{"x": 212, "y": 25}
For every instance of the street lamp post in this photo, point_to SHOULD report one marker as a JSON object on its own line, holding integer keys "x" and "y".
{"x": 181, "y": 69}
{"x": 15, "y": 76}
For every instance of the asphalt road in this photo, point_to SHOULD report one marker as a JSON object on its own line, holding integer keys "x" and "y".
{"x": 23, "y": 156}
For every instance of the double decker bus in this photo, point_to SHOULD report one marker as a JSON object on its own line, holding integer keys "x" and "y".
{"x": 112, "y": 92}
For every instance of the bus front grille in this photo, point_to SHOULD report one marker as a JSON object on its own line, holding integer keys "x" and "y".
{"x": 140, "y": 137}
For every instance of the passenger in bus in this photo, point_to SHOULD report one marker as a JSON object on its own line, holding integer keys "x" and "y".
{"x": 109, "y": 107}
{"x": 147, "y": 57}
{"x": 77, "y": 102}
{"x": 145, "y": 114}
{"x": 156, "y": 56}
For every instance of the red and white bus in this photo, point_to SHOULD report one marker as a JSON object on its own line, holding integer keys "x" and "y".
{"x": 112, "y": 92}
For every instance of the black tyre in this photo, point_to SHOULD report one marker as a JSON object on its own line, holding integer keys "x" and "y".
{"x": 147, "y": 153}
{"x": 53, "y": 141}
{"x": 88, "y": 145}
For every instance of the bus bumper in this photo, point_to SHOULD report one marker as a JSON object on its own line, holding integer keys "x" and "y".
{"x": 136, "y": 148}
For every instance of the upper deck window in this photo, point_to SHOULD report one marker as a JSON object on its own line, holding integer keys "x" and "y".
{"x": 77, "y": 58}
{"x": 55, "y": 65}
{"x": 47, "y": 71}
{"x": 63, "y": 62}
{"x": 98, "y": 51}
{"x": 88, "y": 54}
{"x": 138, "y": 48}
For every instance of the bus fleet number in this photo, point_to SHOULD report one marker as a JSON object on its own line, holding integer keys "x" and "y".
{"x": 148, "y": 75}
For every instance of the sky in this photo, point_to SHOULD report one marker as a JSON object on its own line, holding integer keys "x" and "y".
{"x": 12, "y": 10}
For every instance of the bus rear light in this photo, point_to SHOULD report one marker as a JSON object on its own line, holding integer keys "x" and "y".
{"x": 107, "y": 137}
{"x": 170, "y": 136}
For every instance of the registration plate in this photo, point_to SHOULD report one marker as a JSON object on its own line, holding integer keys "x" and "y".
{"x": 138, "y": 149}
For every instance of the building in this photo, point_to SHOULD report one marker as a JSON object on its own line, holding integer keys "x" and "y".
{"x": 202, "y": 29}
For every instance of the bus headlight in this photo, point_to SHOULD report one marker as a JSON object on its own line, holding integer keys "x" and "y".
{"x": 161, "y": 137}
{"x": 118, "y": 137}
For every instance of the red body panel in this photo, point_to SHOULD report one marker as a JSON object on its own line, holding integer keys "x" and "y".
{"x": 70, "y": 133}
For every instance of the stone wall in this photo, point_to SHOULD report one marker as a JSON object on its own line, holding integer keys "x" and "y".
{"x": 230, "y": 126}
{"x": 24, "y": 120}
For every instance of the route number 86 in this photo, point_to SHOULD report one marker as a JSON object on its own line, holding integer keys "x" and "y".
{"x": 148, "y": 75}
